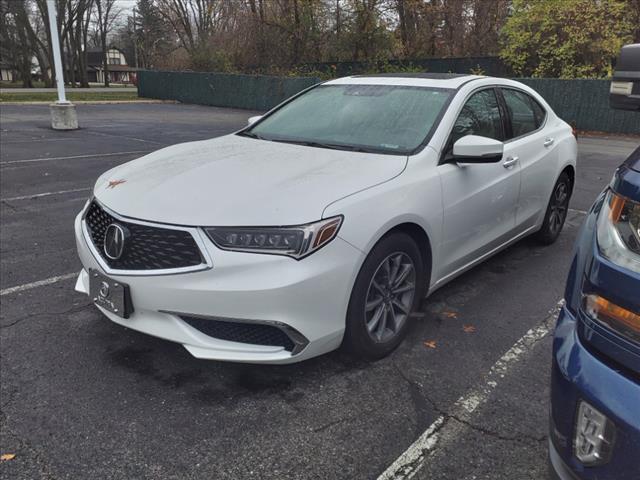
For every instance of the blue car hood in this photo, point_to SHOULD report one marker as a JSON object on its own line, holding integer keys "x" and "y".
{"x": 626, "y": 181}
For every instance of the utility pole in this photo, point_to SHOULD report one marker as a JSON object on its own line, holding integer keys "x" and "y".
{"x": 63, "y": 112}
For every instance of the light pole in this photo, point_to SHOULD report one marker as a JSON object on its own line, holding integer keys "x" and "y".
{"x": 63, "y": 112}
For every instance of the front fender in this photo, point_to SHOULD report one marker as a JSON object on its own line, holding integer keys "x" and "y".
{"x": 413, "y": 197}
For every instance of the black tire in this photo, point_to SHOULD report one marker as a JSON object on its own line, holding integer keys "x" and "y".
{"x": 396, "y": 249}
{"x": 556, "y": 212}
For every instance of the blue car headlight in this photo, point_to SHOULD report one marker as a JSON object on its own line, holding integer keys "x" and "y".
{"x": 618, "y": 231}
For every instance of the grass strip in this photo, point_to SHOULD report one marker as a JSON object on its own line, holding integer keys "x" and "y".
{"x": 71, "y": 96}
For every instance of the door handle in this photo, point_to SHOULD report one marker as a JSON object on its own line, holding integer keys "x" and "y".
{"x": 510, "y": 162}
{"x": 548, "y": 142}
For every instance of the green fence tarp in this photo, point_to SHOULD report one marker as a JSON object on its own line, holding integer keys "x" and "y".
{"x": 493, "y": 66}
{"x": 583, "y": 102}
{"x": 251, "y": 92}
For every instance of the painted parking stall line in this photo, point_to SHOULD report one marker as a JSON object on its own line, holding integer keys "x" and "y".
{"x": 446, "y": 426}
{"x": 135, "y": 139}
{"x": 74, "y": 157}
{"x": 39, "y": 283}
{"x": 582, "y": 212}
{"x": 44, "y": 194}
{"x": 39, "y": 140}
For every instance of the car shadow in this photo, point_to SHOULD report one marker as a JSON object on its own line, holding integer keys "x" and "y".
{"x": 224, "y": 383}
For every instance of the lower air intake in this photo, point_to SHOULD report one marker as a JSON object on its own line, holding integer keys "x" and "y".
{"x": 242, "y": 332}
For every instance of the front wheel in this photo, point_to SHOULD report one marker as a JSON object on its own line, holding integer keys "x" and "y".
{"x": 556, "y": 211}
{"x": 386, "y": 291}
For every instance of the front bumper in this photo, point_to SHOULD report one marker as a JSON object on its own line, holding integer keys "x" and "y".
{"x": 579, "y": 374}
{"x": 558, "y": 470}
{"x": 310, "y": 296}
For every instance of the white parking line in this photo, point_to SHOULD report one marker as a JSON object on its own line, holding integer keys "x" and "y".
{"x": 45, "y": 194}
{"x": 447, "y": 425}
{"x": 32, "y": 140}
{"x": 39, "y": 283}
{"x": 29, "y": 160}
{"x": 583, "y": 212}
{"x": 102, "y": 134}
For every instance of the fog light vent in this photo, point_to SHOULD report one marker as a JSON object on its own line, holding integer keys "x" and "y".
{"x": 594, "y": 436}
{"x": 242, "y": 332}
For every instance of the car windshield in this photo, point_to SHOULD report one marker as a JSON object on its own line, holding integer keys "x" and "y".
{"x": 375, "y": 118}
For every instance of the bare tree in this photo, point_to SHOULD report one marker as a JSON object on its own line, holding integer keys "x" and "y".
{"x": 105, "y": 15}
{"x": 78, "y": 32}
{"x": 18, "y": 37}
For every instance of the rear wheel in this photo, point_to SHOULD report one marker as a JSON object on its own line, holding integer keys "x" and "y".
{"x": 384, "y": 295}
{"x": 556, "y": 211}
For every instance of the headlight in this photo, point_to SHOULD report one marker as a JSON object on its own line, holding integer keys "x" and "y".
{"x": 619, "y": 231}
{"x": 296, "y": 242}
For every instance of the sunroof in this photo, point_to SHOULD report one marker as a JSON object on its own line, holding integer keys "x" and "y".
{"x": 431, "y": 76}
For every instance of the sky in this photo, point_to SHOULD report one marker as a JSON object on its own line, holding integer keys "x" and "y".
{"x": 126, "y": 5}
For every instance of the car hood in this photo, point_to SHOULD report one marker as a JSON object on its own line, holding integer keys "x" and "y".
{"x": 626, "y": 180}
{"x": 633, "y": 160}
{"x": 239, "y": 181}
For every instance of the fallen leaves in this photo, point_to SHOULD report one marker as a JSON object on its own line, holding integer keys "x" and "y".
{"x": 5, "y": 457}
{"x": 449, "y": 313}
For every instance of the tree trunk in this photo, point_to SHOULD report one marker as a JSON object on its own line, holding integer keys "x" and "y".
{"x": 43, "y": 64}
{"x": 50, "y": 76}
{"x": 296, "y": 33}
{"x": 105, "y": 62}
{"x": 85, "y": 40}
{"x": 404, "y": 37}
{"x": 25, "y": 60}
{"x": 338, "y": 21}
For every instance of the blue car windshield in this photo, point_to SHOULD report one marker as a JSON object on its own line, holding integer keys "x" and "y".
{"x": 377, "y": 118}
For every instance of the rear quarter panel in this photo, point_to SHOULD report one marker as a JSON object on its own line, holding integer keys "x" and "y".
{"x": 566, "y": 150}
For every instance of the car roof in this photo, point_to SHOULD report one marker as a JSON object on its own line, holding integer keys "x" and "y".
{"x": 440, "y": 80}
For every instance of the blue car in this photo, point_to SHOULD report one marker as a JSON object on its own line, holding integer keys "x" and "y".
{"x": 595, "y": 379}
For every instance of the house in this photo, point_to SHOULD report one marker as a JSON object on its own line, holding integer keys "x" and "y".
{"x": 6, "y": 72}
{"x": 119, "y": 71}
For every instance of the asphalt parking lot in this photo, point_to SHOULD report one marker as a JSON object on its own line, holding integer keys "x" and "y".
{"x": 465, "y": 397}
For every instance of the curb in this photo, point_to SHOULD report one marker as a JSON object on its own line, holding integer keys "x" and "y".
{"x": 91, "y": 102}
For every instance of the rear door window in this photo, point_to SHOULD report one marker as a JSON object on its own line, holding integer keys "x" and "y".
{"x": 525, "y": 113}
{"x": 539, "y": 112}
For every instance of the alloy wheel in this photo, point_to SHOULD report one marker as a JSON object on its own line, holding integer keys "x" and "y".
{"x": 390, "y": 297}
{"x": 559, "y": 206}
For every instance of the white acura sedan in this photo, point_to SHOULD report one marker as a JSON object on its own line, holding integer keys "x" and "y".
{"x": 327, "y": 220}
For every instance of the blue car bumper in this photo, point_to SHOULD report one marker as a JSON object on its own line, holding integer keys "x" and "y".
{"x": 594, "y": 364}
{"x": 579, "y": 374}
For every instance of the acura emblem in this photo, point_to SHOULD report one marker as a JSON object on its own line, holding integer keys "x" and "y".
{"x": 104, "y": 290}
{"x": 114, "y": 240}
{"x": 115, "y": 183}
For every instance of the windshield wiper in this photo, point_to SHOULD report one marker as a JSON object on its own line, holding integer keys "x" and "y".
{"x": 332, "y": 146}
{"x": 251, "y": 135}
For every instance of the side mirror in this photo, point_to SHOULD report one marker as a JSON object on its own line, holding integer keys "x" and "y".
{"x": 476, "y": 149}
{"x": 253, "y": 119}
